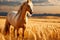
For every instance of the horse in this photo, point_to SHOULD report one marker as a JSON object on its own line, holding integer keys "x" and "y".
{"x": 18, "y": 19}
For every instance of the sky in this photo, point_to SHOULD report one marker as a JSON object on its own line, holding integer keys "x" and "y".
{"x": 55, "y": 8}
{"x": 54, "y": 2}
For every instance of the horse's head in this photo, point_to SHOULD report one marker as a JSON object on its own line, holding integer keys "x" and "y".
{"x": 29, "y": 7}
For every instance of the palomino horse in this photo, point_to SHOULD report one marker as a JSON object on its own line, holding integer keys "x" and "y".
{"x": 18, "y": 19}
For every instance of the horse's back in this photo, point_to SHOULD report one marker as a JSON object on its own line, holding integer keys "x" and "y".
{"x": 12, "y": 14}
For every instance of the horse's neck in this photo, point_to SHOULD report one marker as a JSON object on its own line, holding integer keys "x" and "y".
{"x": 22, "y": 15}
{"x": 21, "y": 7}
{"x": 23, "y": 10}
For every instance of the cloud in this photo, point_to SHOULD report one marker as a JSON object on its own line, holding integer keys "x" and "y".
{"x": 55, "y": 2}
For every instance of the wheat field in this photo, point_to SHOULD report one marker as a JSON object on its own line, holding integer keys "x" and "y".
{"x": 36, "y": 29}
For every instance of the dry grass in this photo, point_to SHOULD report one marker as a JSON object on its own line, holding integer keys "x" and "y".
{"x": 38, "y": 29}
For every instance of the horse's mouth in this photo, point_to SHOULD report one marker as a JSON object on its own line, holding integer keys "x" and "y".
{"x": 29, "y": 14}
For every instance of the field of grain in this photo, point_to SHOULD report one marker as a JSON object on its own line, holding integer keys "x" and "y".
{"x": 36, "y": 29}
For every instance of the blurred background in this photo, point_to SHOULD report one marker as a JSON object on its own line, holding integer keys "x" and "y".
{"x": 42, "y": 7}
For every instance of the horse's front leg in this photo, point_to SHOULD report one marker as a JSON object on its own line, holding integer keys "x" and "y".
{"x": 16, "y": 34}
{"x": 23, "y": 33}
